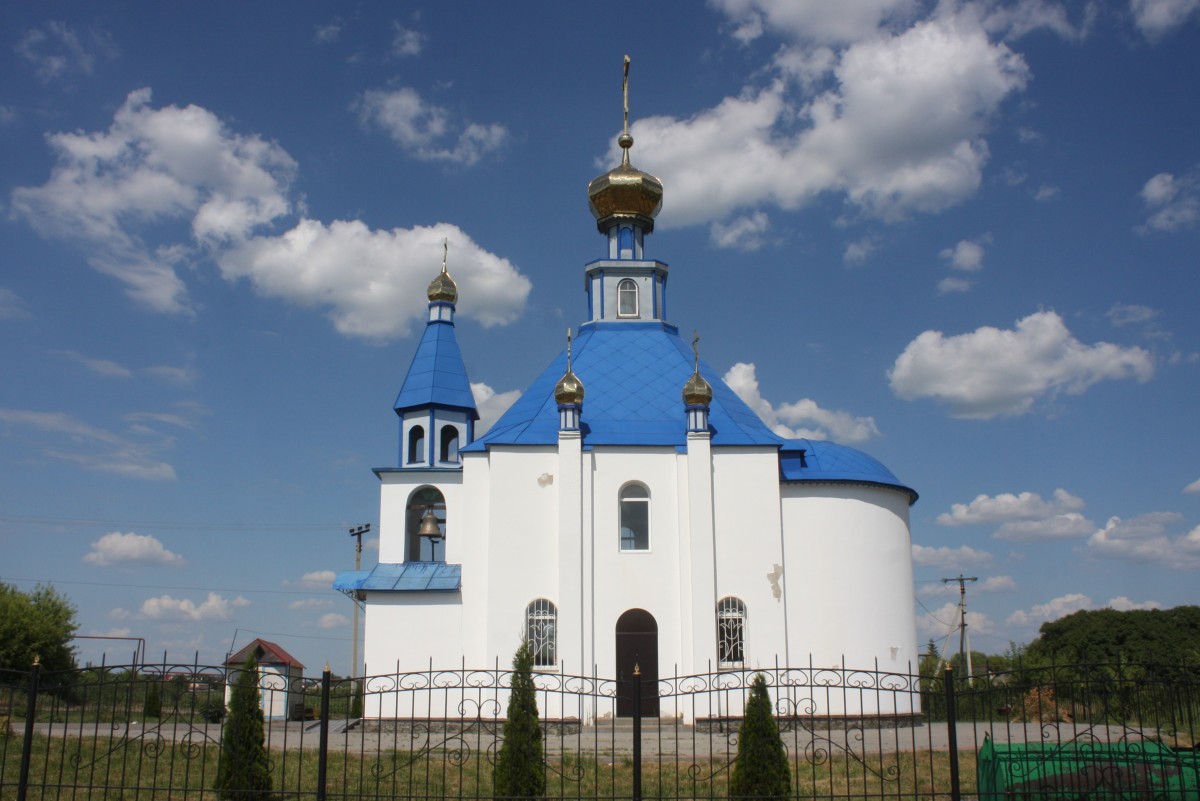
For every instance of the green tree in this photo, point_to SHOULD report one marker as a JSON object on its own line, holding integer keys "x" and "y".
{"x": 39, "y": 623}
{"x": 244, "y": 774}
{"x": 520, "y": 768}
{"x": 152, "y": 706}
{"x": 761, "y": 769}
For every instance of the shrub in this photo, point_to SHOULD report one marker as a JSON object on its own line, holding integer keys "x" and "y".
{"x": 152, "y": 705}
{"x": 244, "y": 773}
{"x": 213, "y": 710}
{"x": 520, "y": 767}
{"x": 761, "y": 769}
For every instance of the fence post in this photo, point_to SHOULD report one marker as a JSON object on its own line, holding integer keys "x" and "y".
{"x": 323, "y": 750}
{"x": 637, "y": 732}
{"x": 30, "y": 714}
{"x": 952, "y": 734}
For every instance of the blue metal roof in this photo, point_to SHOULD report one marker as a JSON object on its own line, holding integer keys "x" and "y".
{"x": 402, "y": 577}
{"x": 804, "y": 460}
{"x": 437, "y": 375}
{"x": 632, "y": 375}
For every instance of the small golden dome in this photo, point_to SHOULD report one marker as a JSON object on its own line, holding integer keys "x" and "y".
{"x": 569, "y": 390}
{"x": 625, "y": 192}
{"x": 443, "y": 287}
{"x": 697, "y": 392}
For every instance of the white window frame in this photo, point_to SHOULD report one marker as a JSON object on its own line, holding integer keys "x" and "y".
{"x": 624, "y": 497}
{"x": 627, "y": 286}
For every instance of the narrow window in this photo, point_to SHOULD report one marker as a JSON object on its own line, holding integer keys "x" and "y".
{"x": 416, "y": 444}
{"x": 635, "y": 518}
{"x": 625, "y": 242}
{"x": 731, "y": 632}
{"x": 627, "y": 298}
{"x": 541, "y": 632}
{"x": 449, "y": 449}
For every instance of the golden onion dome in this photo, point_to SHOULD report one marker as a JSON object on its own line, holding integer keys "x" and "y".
{"x": 625, "y": 193}
{"x": 569, "y": 390}
{"x": 697, "y": 391}
{"x": 443, "y": 287}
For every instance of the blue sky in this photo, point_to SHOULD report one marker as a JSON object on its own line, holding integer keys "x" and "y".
{"x": 960, "y": 236}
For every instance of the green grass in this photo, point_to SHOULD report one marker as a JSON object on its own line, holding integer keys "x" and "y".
{"x": 118, "y": 770}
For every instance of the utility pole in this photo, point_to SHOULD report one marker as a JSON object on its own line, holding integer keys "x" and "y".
{"x": 357, "y": 533}
{"x": 962, "y": 616}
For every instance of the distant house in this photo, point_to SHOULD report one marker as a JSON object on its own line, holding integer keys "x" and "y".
{"x": 279, "y": 677}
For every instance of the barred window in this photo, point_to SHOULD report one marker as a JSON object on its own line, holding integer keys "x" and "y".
{"x": 635, "y": 518}
{"x": 731, "y": 632}
{"x": 541, "y": 631}
{"x": 627, "y": 298}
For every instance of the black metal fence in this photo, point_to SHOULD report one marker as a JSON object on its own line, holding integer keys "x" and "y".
{"x": 157, "y": 731}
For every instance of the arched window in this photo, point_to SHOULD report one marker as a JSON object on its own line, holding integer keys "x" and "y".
{"x": 416, "y": 444}
{"x": 731, "y": 632}
{"x": 627, "y": 298}
{"x": 635, "y": 518}
{"x": 416, "y": 547}
{"x": 625, "y": 242}
{"x": 449, "y": 447}
{"x": 541, "y": 632}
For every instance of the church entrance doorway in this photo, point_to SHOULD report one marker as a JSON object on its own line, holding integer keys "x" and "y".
{"x": 637, "y": 645}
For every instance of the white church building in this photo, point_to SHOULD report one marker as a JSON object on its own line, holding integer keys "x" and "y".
{"x": 629, "y": 508}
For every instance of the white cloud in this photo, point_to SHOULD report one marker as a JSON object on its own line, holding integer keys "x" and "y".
{"x": 992, "y": 372}
{"x": 11, "y": 306}
{"x": 215, "y": 607}
{"x": 1123, "y": 314}
{"x": 115, "y": 548}
{"x": 811, "y": 20}
{"x": 802, "y": 419}
{"x": 1145, "y": 538}
{"x": 104, "y": 367}
{"x": 329, "y": 32}
{"x": 1016, "y": 19}
{"x": 996, "y": 584}
{"x": 405, "y": 41}
{"x": 1069, "y": 604}
{"x": 1058, "y": 527}
{"x": 311, "y": 603}
{"x": 56, "y": 51}
{"x": 313, "y": 580}
{"x": 1046, "y": 192}
{"x": 332, "y": 620}
{"x": 1173, "y": 203}
{"x": 1051, "y": 610}
{"x": 152, "y": 166}
{"x": 1193, "y": 488}
{"x": 373, "y": 282}
{"x": 743, "y": 233}
{"x": 858, "y": 252}
{"x": 1156, "y": 18}
{"x": 491, "y": 404}
{"x": 1007, "y": 506}
{"x": 950, "y": 558}
{"x": 426, "y": 131}
{"x": 967, "y": 255}
{"x": 67, "y": 438}
{"x": 954, "y": 283}
{"x": 897, "y": 127}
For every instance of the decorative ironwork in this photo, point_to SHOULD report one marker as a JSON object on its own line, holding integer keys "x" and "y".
{"x": 541, "y": 632}
{"x": 731, "y": 632}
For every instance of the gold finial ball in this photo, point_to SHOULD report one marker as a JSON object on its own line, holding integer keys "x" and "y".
{"x": 697, "y": 392}
{"x": 443, "y": 288}
{"x": 569, "y": 390}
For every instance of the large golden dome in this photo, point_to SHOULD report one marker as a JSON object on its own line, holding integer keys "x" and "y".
{"x": 625, "y": 193}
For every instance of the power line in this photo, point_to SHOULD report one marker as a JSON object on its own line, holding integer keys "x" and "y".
{"x": 167, "y": 524}
{"x": 159, "y": 586}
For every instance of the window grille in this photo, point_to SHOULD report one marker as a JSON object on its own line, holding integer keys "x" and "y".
{"x": 731, "y": 632}
{"x": 635, "y": 518}
{"x": 541, "y": 632}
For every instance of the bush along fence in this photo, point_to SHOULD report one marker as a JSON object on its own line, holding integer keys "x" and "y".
{"x": 188, "y": 731}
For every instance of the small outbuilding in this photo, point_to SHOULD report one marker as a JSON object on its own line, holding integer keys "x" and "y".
{"x": 280, "y": 675}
